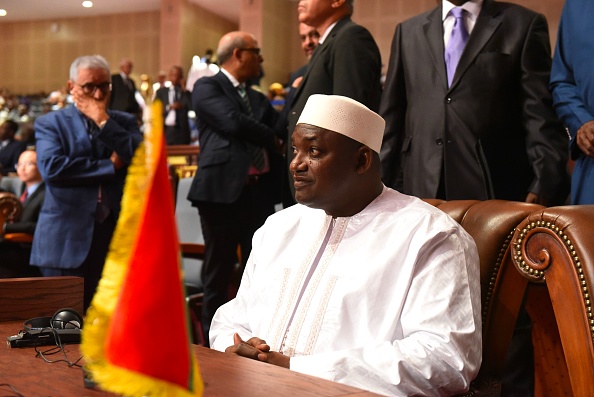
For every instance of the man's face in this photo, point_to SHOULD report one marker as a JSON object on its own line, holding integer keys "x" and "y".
{"x": 312, "y": 12}
{"x": 91, "y": 83}
{"x": 323, "y": 167}
{"x": 126, "y": 67}
{"x": 251, "y": 59}
{"x": 27, "y": 167}
{"x": 175, "y": 76}
{"x": 309, "y": 39}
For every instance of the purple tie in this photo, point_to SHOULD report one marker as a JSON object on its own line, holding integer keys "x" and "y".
{"x": 456, "y": 44}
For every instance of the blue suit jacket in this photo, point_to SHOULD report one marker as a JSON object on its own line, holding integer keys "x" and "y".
{"x": 572, "y": 83}
{"x": 73, "y": 172}
{"x": 226, "y": 128}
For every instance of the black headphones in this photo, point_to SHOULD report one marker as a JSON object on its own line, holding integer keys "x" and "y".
{"x": 63, "y": 319}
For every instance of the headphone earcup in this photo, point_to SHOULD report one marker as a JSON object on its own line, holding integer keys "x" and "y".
{"x": 66, "y": 319}
{"x": 37, "y": 324}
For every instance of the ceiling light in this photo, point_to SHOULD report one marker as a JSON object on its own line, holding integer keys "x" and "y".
{"x": 87, "y": 4}
{"x": 2, "y": 12}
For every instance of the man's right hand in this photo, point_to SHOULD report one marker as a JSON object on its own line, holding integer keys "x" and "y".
{"x": 252, "y": 348}
{"x": 95, "y": 109}
{"x": 585, "y": 138}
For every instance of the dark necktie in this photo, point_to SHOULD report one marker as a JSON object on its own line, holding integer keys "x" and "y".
{"x": 24, "y": 196}
{"x": 102, "y": 210}
{"x": 256, "y": 151}
{"x": 456, "y": 44}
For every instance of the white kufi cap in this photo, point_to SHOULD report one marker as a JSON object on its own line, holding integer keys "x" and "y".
{"x": 344, "y": 116}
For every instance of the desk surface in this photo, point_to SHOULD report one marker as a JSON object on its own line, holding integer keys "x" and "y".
{"x": 223, "y": 375}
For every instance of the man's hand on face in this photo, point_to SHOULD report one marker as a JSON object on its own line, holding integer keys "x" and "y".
{"x": 257, "y": 349}
{"x": 93, "y": 106}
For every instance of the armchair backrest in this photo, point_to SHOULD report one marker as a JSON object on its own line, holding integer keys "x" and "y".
{"x": 492, "y": 223}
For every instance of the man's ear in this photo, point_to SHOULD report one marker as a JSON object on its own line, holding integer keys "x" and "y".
{"x": 70, "y": 85}
{"x": 364, "y": 159}
{"x": 337, "y": 3}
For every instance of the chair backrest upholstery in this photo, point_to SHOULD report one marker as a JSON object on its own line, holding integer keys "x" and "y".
{"x": 188, "y": 220}
{"x": 491, "y": 224}
{"x": 545, "y": 256}
{"x": 12, "y": 184}
{"x": 190, "y": 231}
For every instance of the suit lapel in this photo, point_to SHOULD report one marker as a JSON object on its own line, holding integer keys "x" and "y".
{"x": 487, "y": 23}
{"x": 319, "y": 50}
{"x": 433, "y": 29}
{"x": 231, "y": 91}
{"x": 79, "y": 129}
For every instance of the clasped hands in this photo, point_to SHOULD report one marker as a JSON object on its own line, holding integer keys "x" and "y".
{"x": 257, "y": 349}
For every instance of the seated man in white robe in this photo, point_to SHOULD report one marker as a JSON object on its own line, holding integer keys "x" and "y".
{"x": 357, "y": 283}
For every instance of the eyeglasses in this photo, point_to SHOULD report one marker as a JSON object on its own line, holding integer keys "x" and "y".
{"x": 255, "y": 51}
{"x": 90, "y": 88}
{"x": 25, "y": 164}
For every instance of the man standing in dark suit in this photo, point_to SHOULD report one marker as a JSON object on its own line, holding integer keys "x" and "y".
{"x": 346, "y": 62}
{"x": 83, "y": 153}
{"x": 482, "y": 129}
{"x": 10, "y": 149}
{"x": 469, "y": 116}
{"x": 237, "y": 182}
{"x": 123, "y": 90}
{"x": 176, "y": 104}
{"x": 14, "y": 257}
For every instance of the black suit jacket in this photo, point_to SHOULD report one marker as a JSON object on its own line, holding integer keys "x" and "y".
{"x": 348, "y": 63}
{"x": 226, "y": 128}
{"x": 122, "y": 97}
{"x": 30, "y": 214}
{"x": 9, "y": 155}
{"x": 493, "y": 133}
{"x": 181, "y": 115}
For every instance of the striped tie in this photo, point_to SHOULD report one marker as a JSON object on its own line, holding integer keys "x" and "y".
{"x": 257, "y": 153}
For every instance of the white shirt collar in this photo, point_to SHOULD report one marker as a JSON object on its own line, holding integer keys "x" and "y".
{"x": 232, "y": 78}
{"x": 327, "y": 32}
{"x": 473, "y": 7}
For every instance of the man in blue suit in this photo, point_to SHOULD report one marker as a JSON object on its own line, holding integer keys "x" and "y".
{"x": 238, "y": 177}
{"x": 83, "y": 152}
{"x": 572, "y": 83}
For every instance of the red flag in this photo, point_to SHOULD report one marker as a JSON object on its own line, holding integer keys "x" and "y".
{"x": 136, "y": 339}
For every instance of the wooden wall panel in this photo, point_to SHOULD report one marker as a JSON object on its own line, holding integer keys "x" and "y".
{"x": 37, "y": 54}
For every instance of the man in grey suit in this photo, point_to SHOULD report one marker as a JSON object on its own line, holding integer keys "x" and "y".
{"x": 492, "y": 131}
{"x": 469, "y": 116}
{"x": 346, "y": 61}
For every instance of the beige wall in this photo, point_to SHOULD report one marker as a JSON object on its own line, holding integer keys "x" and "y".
{"x": 269, "y": 20}
{"x": 35, "y": 58}
{"x": 36, "y": 55}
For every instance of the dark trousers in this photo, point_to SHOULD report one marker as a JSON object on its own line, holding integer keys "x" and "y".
{"x": 225, "y": 227}
{"x": 92, "y": 266}
{"x": 175, "y": 135}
